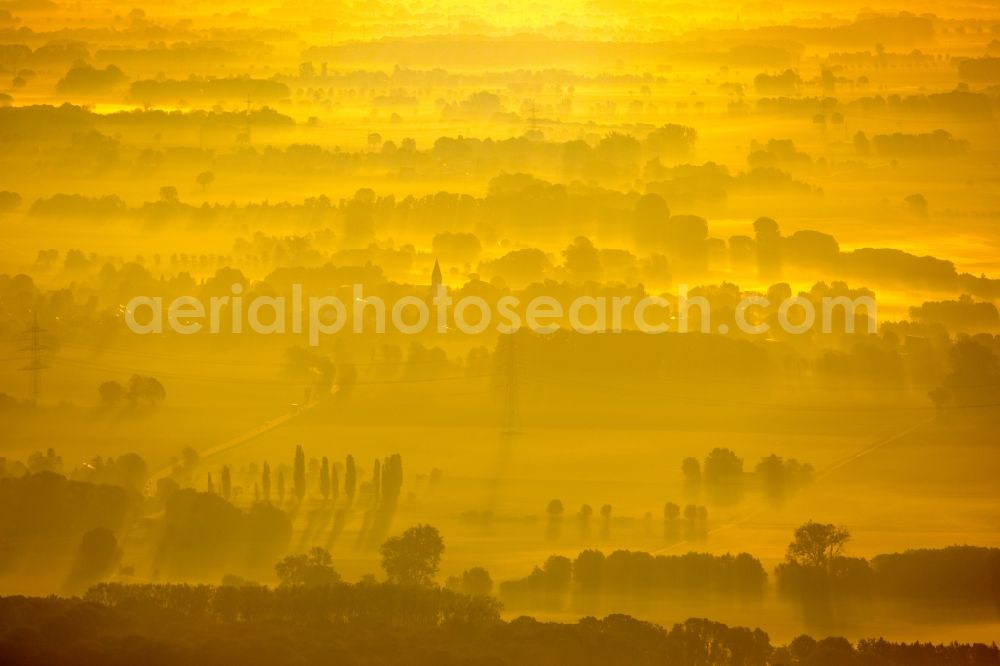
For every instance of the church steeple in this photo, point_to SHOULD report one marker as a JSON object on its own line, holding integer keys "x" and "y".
{"x": 435, "y": 276}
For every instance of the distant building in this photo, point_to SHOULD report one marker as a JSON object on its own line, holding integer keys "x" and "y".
{"x": 436, "y": 280}
{"x": 436, "y": 275}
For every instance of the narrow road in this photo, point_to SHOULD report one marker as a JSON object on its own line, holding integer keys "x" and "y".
{"x": 239, "y": 440}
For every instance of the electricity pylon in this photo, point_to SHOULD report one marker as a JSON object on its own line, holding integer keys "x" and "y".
{"x": 35, "y": 365}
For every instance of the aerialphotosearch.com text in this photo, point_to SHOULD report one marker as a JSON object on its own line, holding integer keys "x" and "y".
{"x": 325, "y": 315}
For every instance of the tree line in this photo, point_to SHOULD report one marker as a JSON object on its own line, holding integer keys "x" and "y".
{"x": 635, "y": 575}
{"x": 391, "y": 624}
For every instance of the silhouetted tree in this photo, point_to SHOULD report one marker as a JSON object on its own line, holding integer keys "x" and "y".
{"x": 168, "y": 194}
{"x": 350, "y": 479}
{"x": 553, "y": 523}
{"x": 225, "y": 483}
{"x": 588, "y": 572}
{"x": 584, "y": 517}
{"x": 940, "y": 396}
{"x": 147, "y": 390}
{"x": 779, "y": 478}
{"x": 475, "y": 582}
{"x": 701, "y": 523}
{"x": 817, "y": 544}
{"x": 691, "y": 469}
{"x": 771, "y": 472}
{"x": 111, "y": 393}
{"x": 324, "y": 479}
{"x": 814, "y": 569}
{"x": 96, "y": 558}
{"x": 671, "y": 514}
{"x": 205, "y": 178}
{"x": 310, "y": 570}
{"x": 299, "y": 474}
{"x": 768, "y": 239}
{"x": 413, "y": 557}
{"x": 392, "y": 479}
{"x": 606, "y": 522}
{"x": 724, "y": 476}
